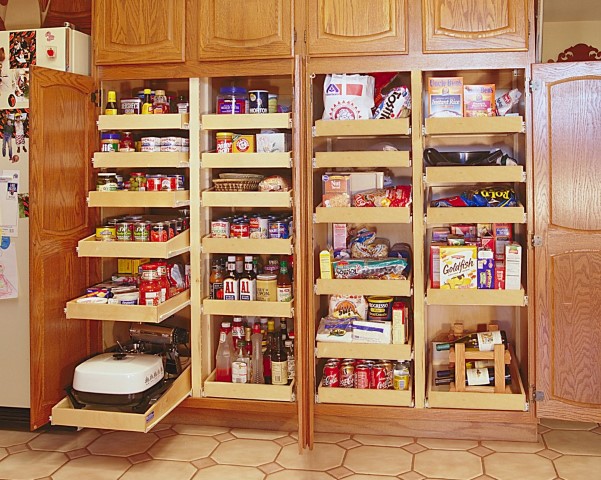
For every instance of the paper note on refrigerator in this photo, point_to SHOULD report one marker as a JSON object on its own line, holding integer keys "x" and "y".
{"x": 9, "y": 202}
{"x": 9, "y": 280}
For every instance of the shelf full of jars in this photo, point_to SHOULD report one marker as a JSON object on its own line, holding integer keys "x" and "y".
{"x": 361, "y": 205}
{"x": 248, "y": 243}
{"x": 142, "y": 190}
{"x": 475, "y": 169}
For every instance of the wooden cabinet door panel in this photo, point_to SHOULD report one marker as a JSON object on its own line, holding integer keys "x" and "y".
{"x": 475, "y": 25}
{"x": 230, "y": 29}
{"x": 139, "y": 31}
{"x": 567, "y": 199}
{"x": 341, "y": 27}
{"x": 62, "y": 127}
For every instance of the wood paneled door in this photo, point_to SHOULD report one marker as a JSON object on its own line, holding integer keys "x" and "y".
{"x": 230, "y": 29}
{"x": 475, "y": 25}
{"x": 62, "y": 140}
{"x": 567, "y": 199}
{"x": 139, "y": 31}
{"x": 348, "y": 27}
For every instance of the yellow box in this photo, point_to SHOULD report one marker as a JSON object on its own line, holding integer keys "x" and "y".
{"x": 130, "y": 265}
{"x": 325, "y": 264}
{"x": 243, "y": 144}
{"x": 458, "y": 267}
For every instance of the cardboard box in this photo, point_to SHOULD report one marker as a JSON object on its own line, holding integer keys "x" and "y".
{"x": 273, "y": 142}
{"x": 339, "y": 235}
{"x": 486, "y": 269}
{"x": 243, "y": 144}
{"x": 468, "y": 231}
{"x": 362, "y": 181}
{"x": 458, "y": 267}
{"x": 399, "y": 323}
{"x": 325, "y": 265}
{"x": 513, "y": 266}
{"x": 130, "y": 266}
{"x": 435, "y": 264}
{"x": 479, "y": 100}
{"x": 445, "y": 96}
{"x": 499, "y": 275}
{"x": 440, "y": 234}
{"x": 372, "y": 332}
{"x": 336, "y": 190}
{"x": 503, "y": 234}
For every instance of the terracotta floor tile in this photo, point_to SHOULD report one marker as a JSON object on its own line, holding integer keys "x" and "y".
{"x": 330, "y": 437}
{"x": 573, "y": 442}
{"x": 204, "y": 463}
{"x": 206, "y": 430}
{"x": 183, "y": 448}
{"x": 257, "y": 434}
{"x": 246, "y": 452}
{"x": 481, "y": 451}
{"x": 64, "y": 441}
{"x": 383, "y": 440}
{"x": 270, "y": 468}
{"x": 301, "y": 475}
{"x": 73, "y": 454}
{"x": 9, "y": 438}
{"x": 139, "y": 458}
{"x": 340, "y": 472}
{"x": 550, "y": 454}
{"x": 348, "y": 444}
{"x": 160, "y": 470}
{"x": 517, "y": 447}
{"x": 378, "y": 460}
{"x": 448, "y": 464}
{"x": 324, "y": 456}
{"x": 286, "y": 441}
{"x": 567, "y": 425}
{"x": 571, "y": 467}
{"x": 224, "y": 437}
{"x": 360, "y": 476}
{"x": 122, "y": 444}
{"x": 411, "y": 476}
{"x": 414, "y": 448}
{"x": 504, "y": 466}
{"x": 93, "y": 467}
{"x": 447, "y": 444}
{"x": 164, "y": 433}
{"x": 30, "y": 464}
{"x": 229, "y": 472}
{"x": 17, "y": 449}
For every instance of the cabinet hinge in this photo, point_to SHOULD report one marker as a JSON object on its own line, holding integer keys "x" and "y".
{"x": 536, "y": 241}
{"x": 537, "y": 395}
{"x": 295, "y": 35}
{"x": 532, "y": 85}
{"x": 95, "y": 98}
{"x": 314, "y": 218}
{"x": 314, "y": 163}
{"x": 305, "y": 36}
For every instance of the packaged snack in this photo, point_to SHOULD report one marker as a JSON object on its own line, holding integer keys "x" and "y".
{"x": 338, "y": 330}
{"x": 445, "y": 96}
{"x": 336, "y": 190}
{"x": 372, "y": 331}
{"x": 348, "y": 97}
{"x": 458, "y": 267}
{"x": 385, "y": 269}
{"x": 345, "y": 306}
{"x": 507, "y": 101}
{"x": 479, "y": 100}
{"x": 402, "y": 250}
{"x": 274, "y": 183}
{"x": 486, "y": 269}
{"x": 396, "y": 104}
{"x": 399, "y": 196}
{"x": 376, "y": 249}
{"x": 494, "y": 196}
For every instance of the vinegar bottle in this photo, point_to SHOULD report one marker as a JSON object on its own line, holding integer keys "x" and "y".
{"x": 225, "y": 354}
{"x": 241, "y": 364}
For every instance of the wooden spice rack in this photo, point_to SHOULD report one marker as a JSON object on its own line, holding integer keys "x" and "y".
{"x": 501, "y": 357}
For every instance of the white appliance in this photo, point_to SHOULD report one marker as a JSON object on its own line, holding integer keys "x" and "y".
{"x": 60, "y": 48}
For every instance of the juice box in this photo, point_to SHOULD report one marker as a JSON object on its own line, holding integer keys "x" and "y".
{"x": 513, "y": 266}
{"x": 458, "y": 268}
{"x": 479, "y": 100}
{"x": 445, "y": 96}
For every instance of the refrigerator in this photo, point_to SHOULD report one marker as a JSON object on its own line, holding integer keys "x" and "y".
{"x": 60, "y": 48}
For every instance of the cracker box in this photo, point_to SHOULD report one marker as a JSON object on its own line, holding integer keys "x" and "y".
{"x": 243, "y": 144}
{"x": 336, "y": 190}
{"x": 488, "y": 243}
{"x": 440, "y": 234}
{"x": 458, "y": 267}
{"x": 445, "y": 96}
{"x": 479, "y": 100}
{"x": 466, "y": 230}
{"x": 486, "y": 269}
{"x": 513, "y": 266}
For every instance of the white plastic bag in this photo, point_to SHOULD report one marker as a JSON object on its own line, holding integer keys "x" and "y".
{"x": 348, "y": 97}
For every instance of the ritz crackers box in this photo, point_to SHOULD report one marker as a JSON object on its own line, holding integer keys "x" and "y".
{"x": 445, "y": 96}
{"x": 458, "y": 267}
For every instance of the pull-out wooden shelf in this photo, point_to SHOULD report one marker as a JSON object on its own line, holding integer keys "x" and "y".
{"x": 399, "y": 288}
{"x": 362, "y": 215}
{"x": 90, "y": 247}
{"x": 442, "y": 215}
{"x": 124, "y": 198}
{"x": 248, "y": 391}
{"x": 247, "y": 160}
{"x": 474, "y": 125}
{"x": 211, "y": 198}
{"x": 373, "y": 351}
{"x": 169, "y": 121}
{"x": 128, "y": 313}
{"x": 246, "y": 308}
{"x": 274, "y": 246}
{"x": 472, "y": 296}
{"x": 246, "y": 121}
{"x": 439, "y": 396}
{"x": 357, "y": 396}
{"x": 64, "y": 413}
{"x": 361, "y": 128}
{"x": 475, "y": 174}
{"x": 141, "y": 159}
{"x": 372, "y": 159}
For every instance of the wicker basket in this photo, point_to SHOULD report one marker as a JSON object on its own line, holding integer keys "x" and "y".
{"x": 238, "y": 185}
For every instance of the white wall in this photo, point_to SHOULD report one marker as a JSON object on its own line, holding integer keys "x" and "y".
{"x": 558, "y": 36}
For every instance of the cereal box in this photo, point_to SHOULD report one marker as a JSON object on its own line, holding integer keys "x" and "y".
{"x": 445, "y": 96}
{"x": 479, "y": 100}
{"x": 486, "y": 269}
{"x": 458, "y": 267}
{"x": 513, "y": 266}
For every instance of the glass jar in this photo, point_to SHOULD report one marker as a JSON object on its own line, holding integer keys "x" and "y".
{"x": 127, "y": 142}
{"x": 109, "y": 142}
{"x": 160, "y": 103}
{"x": 107, "y": 182}
{"x": 137, "y": 182}
{"x": 150, "y": 285}
{"x": 232, "y": 100}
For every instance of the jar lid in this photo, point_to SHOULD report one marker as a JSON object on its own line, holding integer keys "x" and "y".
{"x": 159, "y": 92}
{"x": 137, "y": 174}
{"x": 232, "y": 90}
{"x": 267, "y": 276}
{"x": 224, "y": 134}
{"x": 104, "y": 174}
{"x": 111, "y": 136}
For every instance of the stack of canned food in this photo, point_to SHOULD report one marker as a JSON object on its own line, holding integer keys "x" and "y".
{"x": 364, "y": 374}
{"x": 139, "y": 181}
{"x": 126, "y": 142}
{"x": 138, "y": 228}
{"x": 253, "y": 225}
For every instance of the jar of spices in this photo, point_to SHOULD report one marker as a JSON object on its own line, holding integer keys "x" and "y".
{"x": 127, "y": 142}
{"x": 106, "y": 182}
{"x": 109, "y": 142}
{"x": 137, "y": 182}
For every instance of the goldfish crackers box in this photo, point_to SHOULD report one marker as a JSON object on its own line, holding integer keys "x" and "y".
{"x": 458, "y": 267}
{"x": 445, "y": 96}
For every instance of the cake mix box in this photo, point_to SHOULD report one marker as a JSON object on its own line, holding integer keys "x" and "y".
{"x": 445, "y": 96}
{"x": 479, "y": 100}
{"x": 458, "y": 267}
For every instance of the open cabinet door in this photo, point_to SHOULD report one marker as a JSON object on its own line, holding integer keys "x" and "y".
{"x": 62, "y": 125}
{"x": 567, "y": 198}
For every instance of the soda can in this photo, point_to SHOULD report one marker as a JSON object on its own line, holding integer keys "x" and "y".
{"x": 347, "y": 375}
{"x": 331, "y": 375}
{"x": 362, "y": 374}
{"x": 379, "y": 377}
{"x": 389, "y": 372}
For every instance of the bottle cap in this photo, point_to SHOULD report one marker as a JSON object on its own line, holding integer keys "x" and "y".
{"x": 112, "y": 96}
{"x": 147, "y": 91}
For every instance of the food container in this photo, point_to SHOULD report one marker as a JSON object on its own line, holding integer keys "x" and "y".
{"x": 232, "y": 100}
{"x": 258, "y": 101}
{"x": 137, "y": 182}
{"x": 142, "y": 232}
{"x": 107, "y": 182}
{"x": 150, "y": 144}
{"x": 127, "y": 143}
{"x": 224, "y": 142}
{"x": 125, "y": 231}
{"x": 106, "y": 234}
{"x": 153, "y": 183}
{"x": 131, "y": 106}
{"x": 272, "y": 103}
{"x": 109, "y": 142}
{"x": 379, "y": 308}
{"x": 266, "y": 288}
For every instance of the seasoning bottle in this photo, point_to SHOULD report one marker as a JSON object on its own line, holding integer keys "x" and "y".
{"x": 150, "y": 285}
{"x": 165, "y": 286}
{"x": 160, "y": 103}
{"x": 182, "y": 104}
{"x": 284, "y": 284}
{"x": 279, "y": 363}
{"x": 216, "y": 281}
{"x": 147, "y": 102}
{"x": 111, "y": 104}
{"x": 127, "y": 142}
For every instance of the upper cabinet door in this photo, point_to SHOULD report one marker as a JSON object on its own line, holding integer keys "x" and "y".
{"x": 139, "y": 31}
{"x": 342, "y": 27}
{"x": 230, "y": 29}
{"x": 475, "y": 25}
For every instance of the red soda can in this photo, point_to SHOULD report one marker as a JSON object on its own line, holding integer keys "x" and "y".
{"x": 331, "y": 373}
{"x": 362, "y": 374}
{"x": 379, "y": 377}
{"x": 347, "y": 375}
{"x": 389, "y": 372}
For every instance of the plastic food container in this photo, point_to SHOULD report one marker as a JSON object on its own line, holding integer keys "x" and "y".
{"x": 109, "y": 142}
{"x": 107, "y": 182}
{"x": 232, "y": 100}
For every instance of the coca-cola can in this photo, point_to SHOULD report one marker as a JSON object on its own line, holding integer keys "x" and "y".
{"x": 379, "y": 377}
{"x": 347, "y": 375}
{"x": 389, "y": 372}
{"x": 362, "y": 374}
{"x": 331, "y": 373}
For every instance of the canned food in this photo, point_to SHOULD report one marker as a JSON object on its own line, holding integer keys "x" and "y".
{"x": 179, "y": 226}
{"x": 258, "y": 101}
{"x": 168, "y": 184}
{"x": 171, "y": 227}
{"x": 362, "y": 376}
{"x": 224, "y": 142}
{"x": 137, "y": 182}
{"x": 331, "y": 373}
{"x": 347, "y": 375}
{"x": 379, "y": 308}
{"x": 240, "y": 230}
{"x": 150, "y": 144}
{"x": 106, "y": 234}
{"x": 153, "y": 183}
{"x": 159, "y": 232}
{"x": 273, "y": 103}
{"x": 179, "y": 182}
{"x": 278, "y": 230}
{"x": 142, "y": 232}
{"x": 125, "y": 231}
{"x": 220, "y": 229}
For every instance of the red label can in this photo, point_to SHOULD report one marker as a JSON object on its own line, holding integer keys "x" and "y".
{"x": 159, "y": 232}
{"x": 362, "y": 374}
{"x": 347, "y": 375}
{"x": 379, "y": 377}
{"x": 331, "y": 372}
{"x": 240, "y": 230}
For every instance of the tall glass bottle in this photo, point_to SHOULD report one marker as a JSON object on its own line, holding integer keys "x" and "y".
{"x": 241, "y": 364}
{"x": 284, "y": 283}
{"x": 289, "y": 347}
{"x": 267, "y": 354}
{"x": 482, "y": 341}
{"x": 225, "y": 353}
{"x": 279, "y": 363}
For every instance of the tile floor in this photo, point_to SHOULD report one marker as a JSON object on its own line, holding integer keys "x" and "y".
{"x": 565, "y": 450}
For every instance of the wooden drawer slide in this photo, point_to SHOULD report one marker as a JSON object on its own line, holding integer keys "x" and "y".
{"x": 248, "y": 391}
